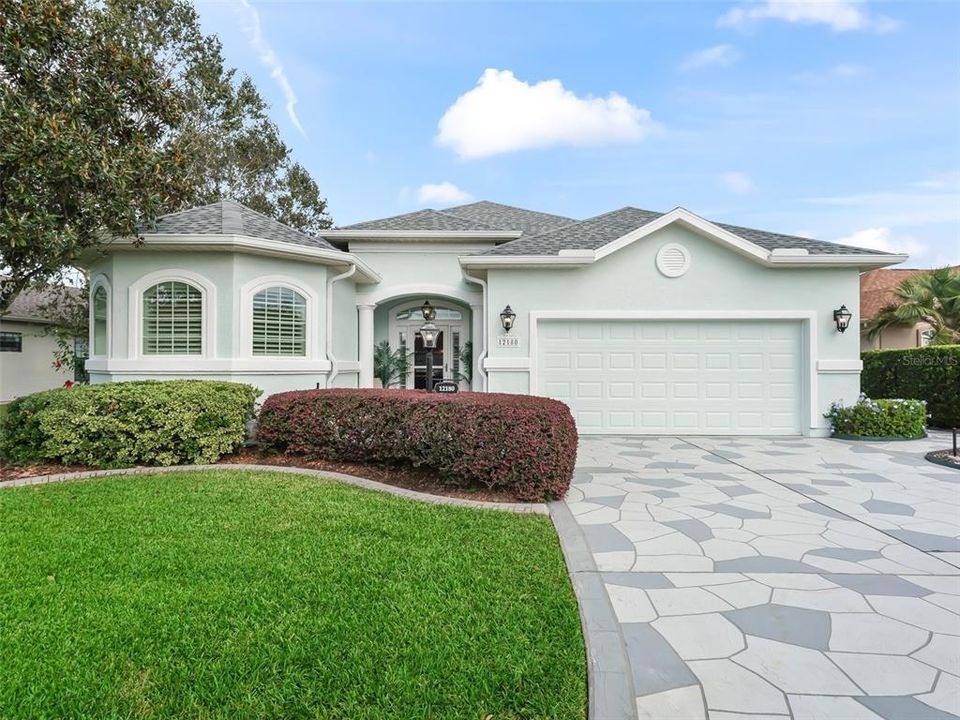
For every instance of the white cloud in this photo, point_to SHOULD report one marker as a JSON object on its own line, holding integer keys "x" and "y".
{"x": 840, "y": 15}
{"x": 881, "y": 238}
{"x": 720, "y": 55}
{"x": 737, "y": 182}
{"x": 445, "y": 193}
{"x": 253, "y": 29}
{"x": 503, "y": 114}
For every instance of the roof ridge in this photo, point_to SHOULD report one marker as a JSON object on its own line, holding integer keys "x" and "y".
{"x": 482, "y": 225}
{"x": 513, "y": 207}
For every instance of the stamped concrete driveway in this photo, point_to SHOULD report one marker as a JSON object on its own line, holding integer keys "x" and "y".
{"x": 790, "y": 578}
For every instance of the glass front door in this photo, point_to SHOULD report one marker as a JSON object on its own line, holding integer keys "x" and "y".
{"x": 420, "y": 355}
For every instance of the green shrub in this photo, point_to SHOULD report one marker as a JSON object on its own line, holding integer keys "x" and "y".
{"x": 131, "y": 423}
{"x": 879, "y": 418}
{"x": 930, "y": 373}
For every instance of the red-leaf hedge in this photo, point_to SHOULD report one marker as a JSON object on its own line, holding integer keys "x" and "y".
{"x": 519, "y": 443}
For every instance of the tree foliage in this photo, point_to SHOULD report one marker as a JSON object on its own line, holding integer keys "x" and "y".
{"x": 114, "y": 112}
{"x": 931, "y": 297}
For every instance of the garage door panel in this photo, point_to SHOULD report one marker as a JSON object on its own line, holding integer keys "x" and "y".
{"x": 717, "y": 377}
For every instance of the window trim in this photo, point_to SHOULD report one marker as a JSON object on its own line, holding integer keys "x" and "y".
{"x": 100, "y": 281}
{"x": 208, "y": 317}
{"x": 245, "y": 331}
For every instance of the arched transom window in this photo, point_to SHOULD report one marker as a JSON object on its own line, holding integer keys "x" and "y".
{"x": 415, "y": 313}
{"x": 279, "y": 322}
{"x": 172, "y": 319}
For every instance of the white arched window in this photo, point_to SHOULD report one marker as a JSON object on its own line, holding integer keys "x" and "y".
{"x": 279, "y": 316}
{"x": 99, "y": 321}
{"x": 172, "y": 321}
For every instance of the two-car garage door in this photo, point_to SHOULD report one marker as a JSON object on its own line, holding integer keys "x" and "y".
{"x": 719, "y": 377}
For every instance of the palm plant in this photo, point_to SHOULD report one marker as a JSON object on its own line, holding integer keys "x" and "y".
{"x": 465, "y": 373}
{"x": 931, "y": 297}
{"x": 389, "y": 365}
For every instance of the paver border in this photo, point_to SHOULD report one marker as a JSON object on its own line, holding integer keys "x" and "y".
{"x": 355, "y": 480}
{"x": 610, "y": 691}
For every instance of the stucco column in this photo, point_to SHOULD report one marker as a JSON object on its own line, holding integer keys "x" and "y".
{"x": 477, "y": 340}
{"x": 365, "y": 347}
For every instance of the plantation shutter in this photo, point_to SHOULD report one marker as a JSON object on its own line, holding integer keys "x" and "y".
{"x": 172, "y": 319}
{"x": 279, "y": 322}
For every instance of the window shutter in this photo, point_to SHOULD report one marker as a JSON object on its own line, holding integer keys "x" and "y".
{"x": 279, "y": 322}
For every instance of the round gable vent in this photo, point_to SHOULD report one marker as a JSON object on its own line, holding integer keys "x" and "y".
{"x": 673, "y": 260}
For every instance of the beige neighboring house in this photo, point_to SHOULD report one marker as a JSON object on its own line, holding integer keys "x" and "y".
{"x": 27, "y": 348}
{"x": 876, "y": 293}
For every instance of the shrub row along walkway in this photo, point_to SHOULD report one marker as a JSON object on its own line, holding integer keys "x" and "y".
{"x": 794, "y": 578}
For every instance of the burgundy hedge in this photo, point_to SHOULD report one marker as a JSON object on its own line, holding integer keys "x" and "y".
{"x": 522, "y": 444}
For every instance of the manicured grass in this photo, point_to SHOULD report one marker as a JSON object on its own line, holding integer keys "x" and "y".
{"x": 235, "y": 594}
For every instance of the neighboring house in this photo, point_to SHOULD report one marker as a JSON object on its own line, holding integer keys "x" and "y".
{"x": 27, "y": 347}
{"x": 876, "y": 293}
{"x": 642, "y": 322}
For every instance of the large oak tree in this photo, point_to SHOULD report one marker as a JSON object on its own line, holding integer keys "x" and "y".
{"x": 114, "y": 112}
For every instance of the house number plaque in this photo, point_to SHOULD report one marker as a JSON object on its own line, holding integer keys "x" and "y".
{"x": 508, "y": 341}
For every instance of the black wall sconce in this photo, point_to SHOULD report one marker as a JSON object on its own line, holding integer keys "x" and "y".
{"x": 507, "y": 317}
{"x": 842, "y": 318}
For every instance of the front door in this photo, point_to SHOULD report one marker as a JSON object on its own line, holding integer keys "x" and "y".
{"x": 437, "y": 355}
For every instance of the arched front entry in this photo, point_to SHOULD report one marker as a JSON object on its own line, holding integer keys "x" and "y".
{"x": 398, "y": 319}
{"x": 452, "y": 355}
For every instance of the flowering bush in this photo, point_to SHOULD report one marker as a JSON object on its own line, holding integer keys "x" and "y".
{"x": 879, "y": 418}
{"x": 131, "y": 423}
{"x": 519, "y": 443}
{"x": 929, "y": 373}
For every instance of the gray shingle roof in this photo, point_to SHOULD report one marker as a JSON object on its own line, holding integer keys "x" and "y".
{"x": 596, "y": 232}
{"x": 227, "y": 217}
{"x": 507, "y": 217}
{"x": 425, "y": 220}
{"x": 38, "y": 305}
{"x": 483, "y": 215}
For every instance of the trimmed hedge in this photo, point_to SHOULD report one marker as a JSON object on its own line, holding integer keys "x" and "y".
{"x": 131, "y": 423}
{"x": 880, "y": 419}
{"x": 519, "y": 443}
{"x": 931, "y": 373}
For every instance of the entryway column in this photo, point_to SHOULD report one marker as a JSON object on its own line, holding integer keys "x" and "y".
{"x": 365, "y": 348}
{"x": 478, "y": 342}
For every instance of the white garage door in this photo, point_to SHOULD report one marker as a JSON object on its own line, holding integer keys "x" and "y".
{"x": 699, "y": 377}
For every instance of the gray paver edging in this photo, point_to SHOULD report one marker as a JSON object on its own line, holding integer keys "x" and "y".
{"x": 610, "y": 689}
{"x": 931, "y": 457}
{"x": 535, "y": 508}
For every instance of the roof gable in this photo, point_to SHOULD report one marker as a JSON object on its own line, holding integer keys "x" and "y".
{"x": 596, "y": 232}
{"x": 227, "y": 217}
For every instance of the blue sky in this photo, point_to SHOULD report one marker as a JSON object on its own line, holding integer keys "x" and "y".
{"x": 834, "y": 119}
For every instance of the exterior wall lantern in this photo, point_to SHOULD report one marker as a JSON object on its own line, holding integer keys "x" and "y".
{"x": 429, "y": 312}
{"x": 842, "y": 318}
{"x": 428, "y": 333}
{"x": 507, "y": 317}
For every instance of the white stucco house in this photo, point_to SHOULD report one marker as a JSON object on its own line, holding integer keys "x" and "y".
{"x": 642, "y": 322}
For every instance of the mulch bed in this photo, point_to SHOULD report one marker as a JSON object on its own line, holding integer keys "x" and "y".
{"x": 410, "y": 478}
{"x": 945, "y": 458}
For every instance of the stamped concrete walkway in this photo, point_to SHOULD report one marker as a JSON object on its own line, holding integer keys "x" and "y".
{"x": 795, "y": 578}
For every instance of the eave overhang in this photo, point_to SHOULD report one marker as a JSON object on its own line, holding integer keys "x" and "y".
{"x": 246, "y": 244}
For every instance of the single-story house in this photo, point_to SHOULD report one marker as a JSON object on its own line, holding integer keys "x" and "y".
{"x": 28, "y": 347}
{"x": 642, "y": 322}
{"x": 876, "y": 293}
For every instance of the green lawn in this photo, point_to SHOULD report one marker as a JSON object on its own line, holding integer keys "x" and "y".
{"x": 236, "y": 594}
